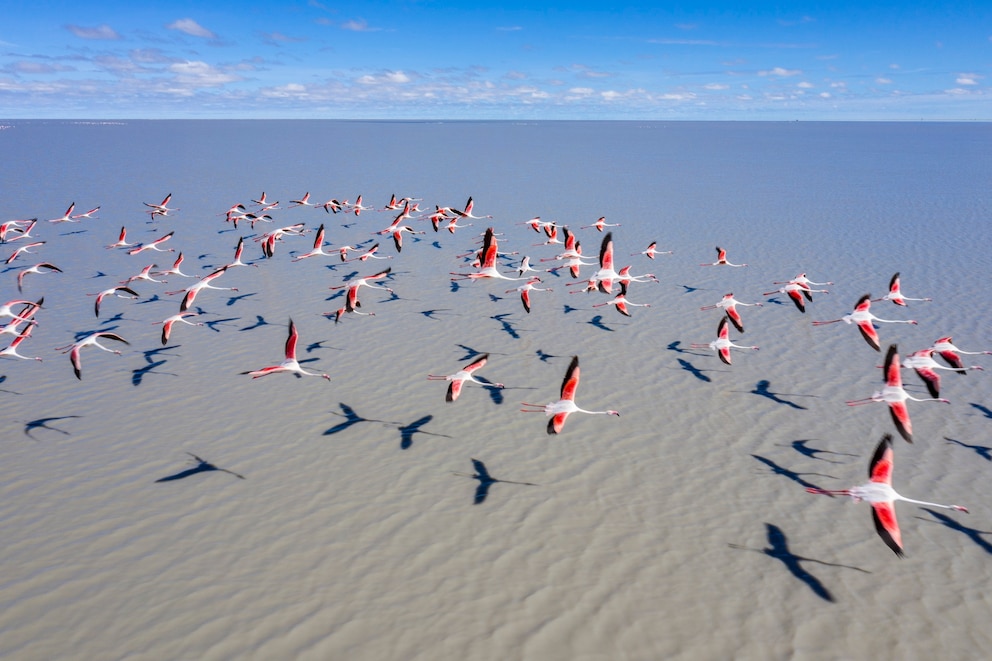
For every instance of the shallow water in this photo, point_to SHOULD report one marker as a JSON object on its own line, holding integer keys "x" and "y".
{"x": 680, "y": 528}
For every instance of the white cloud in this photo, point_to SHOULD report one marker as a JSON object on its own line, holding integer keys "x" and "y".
{"x": 201, "y": 74}
{"x": 358, "y": 25}
{"x": 716, "y": 86}
{"x": 805, "y": 85}
{"x": 191, "y": 27}
{"x": 99, "y": 32}
{"x": 883, "y": 81}
{"x": 780, "y": 71}
{"x": 967, "y": 79}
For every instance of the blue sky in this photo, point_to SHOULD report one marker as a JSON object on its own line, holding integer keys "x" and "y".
{"x": 508, "y": 60}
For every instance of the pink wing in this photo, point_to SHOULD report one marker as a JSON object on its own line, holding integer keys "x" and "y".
{"x": 557, "y": 423}
{"x": 886, "y": 525}
{"x": 478, "y": 363}
{"x": 900, "y": 416}
{"x": 606, "y": 252}
{"x": 871, "y": 335}
{"x": 291, "y": 341}
{"x": 880, "y": 467}
{"x": 571, "y": 381}
{"x": 735, "y": 318}
{"x": 454, "y": 389}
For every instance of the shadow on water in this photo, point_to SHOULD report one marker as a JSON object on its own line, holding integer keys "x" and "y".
{"x": 761, "y": 389}
{"x": 44, "y": 423}
{"x": 984, "y": 410}
{"x": 408, "y": 431}
{"x": 597, "y": 322}
{"x": 803, "y": 449}
{"x": 693, "y": 370}
{"x": 973, "y": 534}
{"x": 792, "y": 475}
{"x": 202, "y": 466}
{"x": 983, "y": 451}
{"x": 486, "y": 481}
{"x": 778, "y": 548}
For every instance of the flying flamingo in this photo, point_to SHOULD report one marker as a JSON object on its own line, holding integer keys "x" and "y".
{"x": 367, "y": 282}
{"x": 729, "y": 304}
{"x": 796, "y": 291}
{"x": 174, "y": 270}
{"x": 368, "y": 254}
{"x": 949, "y": 352}
{"x": 66, "y": 217}
{"x": 895, "y": 396}
{"x": 7, "y": 309}
{"x": 24, "y": 250}
{"x": 525, "y": 290}
{"x": 863, "y": 317}
{"x": 457, "y": 380}
{"x": 722, "y": 343}
{"x": 154, "y": 245}
{"x": 169, "y": 322}
{"x": 805, "y": 282}
{"x": 289, "y": 364}
{"x": 113, "y": 291}
{"x": 302, "y": 202}
{"x": 318, "y": 246}
{"x": 467, "y": 212}
{"x": 600, "y": 224}
{"x": 880, "y": 494}
{"x": 88, "y": 214}
{"x": 37, "y": 268}
{"x": 651, "y": 251}
{"x": 925, "y": 366}
{"x": 560, "y": 410}
{"x": 121, "y": 240}
{"x": 161, "y": 209}
{"x": 357, "y": 208}
{"x": 489, "y": 252}
{"x": 621, "y": 302}
{"x": 238, "y": 251}
{"x": 145, "y": 274}
{"x": 11, "y": 349}
{"x": 721, "y": 259}
{"x": 90, "y": 340}
{"x": 203, "y": 283}
{"x": 895, "y": 294}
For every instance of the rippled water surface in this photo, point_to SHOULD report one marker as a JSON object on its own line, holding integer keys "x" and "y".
{"x": 680, "y": 529}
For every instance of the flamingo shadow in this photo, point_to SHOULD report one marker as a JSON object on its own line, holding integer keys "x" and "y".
{"x": 974, "y": 534}
{"x": 792, "y": 475}
{"x": 202, "y": 466}
{"x": 597, "y": 322}
{"x": 778, "y": 548}
{"x": 506, "y": 326}
{"x": 351, "y": 418}
{"x": 407, "y": 432}
{"x": 259, "y": 321}
{"x": 761, "y": 389}
{"x": 801, "y": 447}
{"x": 693, "y": 370}
{"x": 486, "y": 481}
{"x": 42, "y": 423}
{"x": 985, "y": 411}
{"x": 983, "y": 451}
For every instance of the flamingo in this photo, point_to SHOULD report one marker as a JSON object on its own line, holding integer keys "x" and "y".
{"x": 621, "y": 302}
{"x": 560, "y": 410}
{"x": 20, "y": 227}
{"x": 204, "y": 283}
{"x": 175, "y": 270}
{"x": 357, "y": 208}
{"x": 467, "y": 212}
{"x": 721, "y": 259}
{"x": 161, "y": 209}
{"x": 154, "y": 245}
{"x": 88, "y": 214}
{"x": 949, "y": 352}
{"x": 66, "y": 217}
{"x": 895, "y": 396}
{"x": 121, "y": 240}
{"x": 169, "y": 322}
{"x": 302, "y": 202}
{"x": 600, "y": 224}
{"x": 318, "y": 246}
{"x": 91, "y": 340}
{"x": 289, "y": 364}
{"x": 24, "y": 250}
{"x": 238, "y": 251}
{"x": 30, "y": 307}
{"x": 11, "y": 349}
{"x": 145, "y": 274}
{"x": 880, "y": 494}
{"x": 525, "y": 290}
{"x": 37, "y": 268}
{"x": 796, "y": 291}
{"x": 895, "y": 294}
{"x": 651, "y": 251}
{"x": 367, "y": 282}
{"x": 729, "y": 305}
{"x": 457, "y": 380}
{"x": 925, "y": 366}
{"x": 722, "y": 343}
{"x": 489, "y": 252}
{"x": 368, "y": 254}
{"x": 261, "y": 201}
{"x": 113, "y": 291}
{"x": 864, "y": 318}
{"x": 525, "y": 267}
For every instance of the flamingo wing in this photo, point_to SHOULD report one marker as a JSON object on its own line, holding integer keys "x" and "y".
{"x": 884, "y": 515}
{"x": 900, "y": 416}
{"x": 525, "y": 299}
{"x": 724, "y": 354}
{"x": 870, "y": 334}
{"x": 291, "y": 341}
{"x": 606, "y": 252}
{"x": 953, "y": 360}
{"x": 880, "y": 466}
{"x": 454, "y": 389}
{"x": 930, "y": 377}
{"x": 571, "y": 382}
{"x": 557, "y": 423}
{"x": 476, "y": 364}
{"x": 893, "y": 373}
{"x": 735, "y": 318}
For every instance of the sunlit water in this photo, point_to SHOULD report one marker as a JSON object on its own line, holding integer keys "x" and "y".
{"x": 681, "y": 528}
